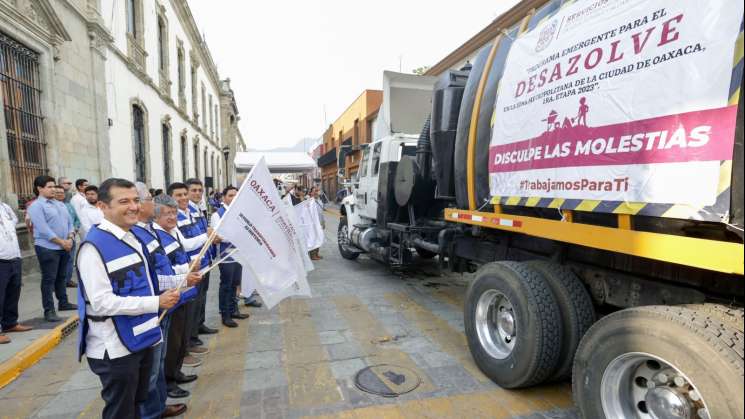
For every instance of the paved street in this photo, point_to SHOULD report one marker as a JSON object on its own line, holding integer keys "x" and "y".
{"x": 300, "y": 359}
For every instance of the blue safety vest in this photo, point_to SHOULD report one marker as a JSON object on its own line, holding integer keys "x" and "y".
{"x": 157, "y": 259}
{"x": 224, "y": 247}
{"x": 177, "y": 257}
{"x": 201, "y": 221}
{"x": 129, "y": 278}
{"x": 190, "y": 229}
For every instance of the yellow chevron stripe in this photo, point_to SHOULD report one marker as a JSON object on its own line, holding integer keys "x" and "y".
{"x": 513, "y": 200}
{"x": 632, "y": 208}
{"x": 587, "y": 205}
{"x": 738, "y": 50}
{"x": 684, "y": 212}
{"x": 532, "y": 201}
{"x": 495, "y": 199}
{"x": 556, "y": 203}
{"x": 735, "y": 98}
{"x": 725, "y": 176}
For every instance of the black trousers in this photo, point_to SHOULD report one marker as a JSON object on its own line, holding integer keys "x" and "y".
{"x": 178, "y": 339}
{"x": 198, "y": 313}
{"x": 125, "y": 383}
{"x": 10, "y": 292}
{"x": 53, "y": 265}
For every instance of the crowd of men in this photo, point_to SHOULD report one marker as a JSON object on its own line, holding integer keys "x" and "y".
{"x": 143, "y": 266}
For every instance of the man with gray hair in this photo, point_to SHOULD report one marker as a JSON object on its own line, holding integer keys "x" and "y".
{"x": 172, "y": 272}
{"x": 66, "y": 184}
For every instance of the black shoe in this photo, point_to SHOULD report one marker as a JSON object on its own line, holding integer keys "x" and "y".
{"x": 204, "y": 330}
{"x": 182, "y": 378}
{"x": 228, "y": 322}
{"x": 238, "y": 315}
{"x": 51, "y": 316}
{"x": 67, "y": 307}
{"x": 196, "y": 342}
{"x": 176, "y": 392}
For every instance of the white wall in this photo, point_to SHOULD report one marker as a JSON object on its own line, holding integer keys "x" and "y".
{"x": 123, "y": 86}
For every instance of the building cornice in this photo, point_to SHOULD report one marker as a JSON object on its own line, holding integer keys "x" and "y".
{"x": 144, "y": 78}
{"x": 181, "y": 7}
{"x": 506, "y": 20}
{"x": 48, "y": 28}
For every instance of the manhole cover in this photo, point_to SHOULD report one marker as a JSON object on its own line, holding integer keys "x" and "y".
{"x": 387, "y": 380}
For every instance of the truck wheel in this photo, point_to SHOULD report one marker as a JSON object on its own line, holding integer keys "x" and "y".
{"x": 424, "y": 253}
{"x": 342, "y": 238}
{"x": 575, "y": 307}
{"x": 659, "y": 362}
{"x": 512, "y": 325}
{"x": 732, "y": 316}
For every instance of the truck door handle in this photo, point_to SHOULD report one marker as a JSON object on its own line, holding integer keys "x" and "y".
{"x": 365, "y": 197}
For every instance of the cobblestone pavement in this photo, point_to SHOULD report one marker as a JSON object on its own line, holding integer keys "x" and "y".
{"x": 300, "y": 359}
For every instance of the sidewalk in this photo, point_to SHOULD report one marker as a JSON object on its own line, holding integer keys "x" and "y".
{"x": 27, "y": 348}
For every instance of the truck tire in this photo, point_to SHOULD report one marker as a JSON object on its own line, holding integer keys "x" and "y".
{"x": 342, "y": 240}
{"x": 512, "y": 325}
{"x": 732, "y": 316}
{"x": 575, "y": 307}
{"x": 647, "y": 359}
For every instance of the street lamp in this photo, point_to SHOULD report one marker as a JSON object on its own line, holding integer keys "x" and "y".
{"x": 226, "y": 153}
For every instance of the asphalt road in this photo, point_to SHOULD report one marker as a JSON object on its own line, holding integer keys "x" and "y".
{"x": 300, "y": 359}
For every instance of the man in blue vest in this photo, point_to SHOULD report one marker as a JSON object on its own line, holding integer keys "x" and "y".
{"x": 196, "y": 195}
{"x": 172, "y": 270}
{"x": 230, "y": 270}
{"x": 119, "y": 304}
{"x": 193, "y": 238}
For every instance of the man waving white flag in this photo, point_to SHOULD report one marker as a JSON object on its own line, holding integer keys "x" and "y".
{"x": 258, "y": 226}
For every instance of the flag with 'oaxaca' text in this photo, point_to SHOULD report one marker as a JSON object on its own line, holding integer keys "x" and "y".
{"x": 257, "y": 224}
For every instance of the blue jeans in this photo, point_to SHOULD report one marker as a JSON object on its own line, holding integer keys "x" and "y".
{"x": 53, "y": 265}
{"x": 157, "y": 393}
{"x": 230, "y": 277}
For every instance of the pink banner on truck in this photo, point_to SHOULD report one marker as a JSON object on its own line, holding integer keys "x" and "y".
{"x": 693, "y": 136}
{"x": 618, "y": 100}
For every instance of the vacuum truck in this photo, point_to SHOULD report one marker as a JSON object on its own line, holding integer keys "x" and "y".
{"x": 587, "y": 167}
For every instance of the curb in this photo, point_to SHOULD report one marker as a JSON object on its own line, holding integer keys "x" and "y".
{"x": 31, "y": 354}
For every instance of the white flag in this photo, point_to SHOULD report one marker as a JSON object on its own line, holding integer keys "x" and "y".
{"x": 300, "y": 239}
{"x": 310, "y": 225}
{"x": 257, "y": 224}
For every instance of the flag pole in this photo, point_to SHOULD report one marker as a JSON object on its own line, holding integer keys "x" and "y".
{"x": 192, "y": 265}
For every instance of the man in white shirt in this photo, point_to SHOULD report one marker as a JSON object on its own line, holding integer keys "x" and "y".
{"x": 89, "y": 214}
{"x": 78, "y": 197}
{"x": 116, "y": 288}
{"x": 10, "y": 274}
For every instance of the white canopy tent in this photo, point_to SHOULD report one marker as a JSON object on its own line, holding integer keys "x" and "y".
{"x": 277, "y": 162}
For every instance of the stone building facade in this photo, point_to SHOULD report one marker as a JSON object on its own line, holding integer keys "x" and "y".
{"x": 52, "y": 59}
{"x": 99, "y": 88}
{"x": 164, "y": 96}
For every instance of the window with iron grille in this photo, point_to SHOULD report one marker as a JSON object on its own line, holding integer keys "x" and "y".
{"x": 184, "y": 159}
{"x": 196, "y": 160}
{"x": 166, "y": 153}
{"x": 138, "y": 137}
{"x": 19, "y": 74}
